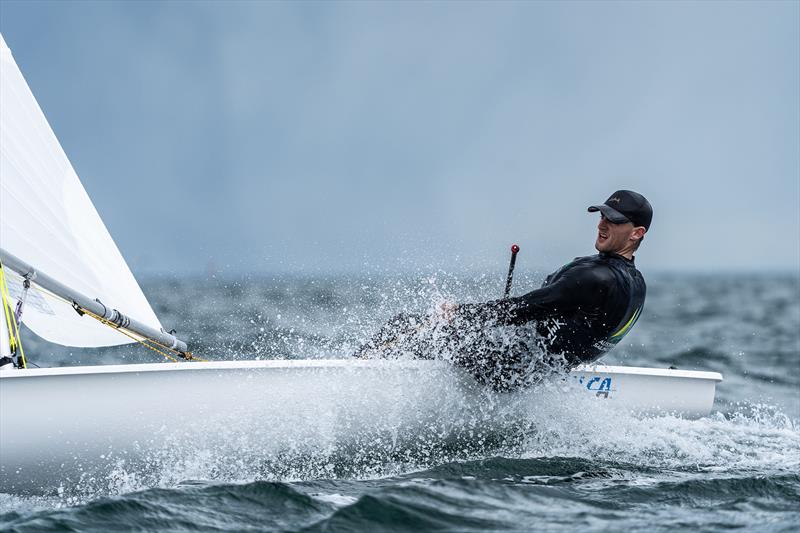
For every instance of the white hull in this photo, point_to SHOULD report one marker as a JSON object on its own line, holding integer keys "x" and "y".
{"x": 62, "y": 426}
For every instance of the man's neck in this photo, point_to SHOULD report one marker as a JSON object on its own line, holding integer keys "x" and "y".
{"x": 627, "y": 253}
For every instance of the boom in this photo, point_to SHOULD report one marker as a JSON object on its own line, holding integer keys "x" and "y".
{"x": 83, "y": 303}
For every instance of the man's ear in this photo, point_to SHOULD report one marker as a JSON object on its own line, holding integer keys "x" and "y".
{"x": 638, "y": 232}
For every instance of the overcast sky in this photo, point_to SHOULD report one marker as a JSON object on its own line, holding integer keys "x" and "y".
{"x": 307, "y": 137}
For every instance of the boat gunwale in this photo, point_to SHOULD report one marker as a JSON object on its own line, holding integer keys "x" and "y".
{"x": 325, "y": 363}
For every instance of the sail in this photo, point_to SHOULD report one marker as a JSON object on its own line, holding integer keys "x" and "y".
{"x": 48, "y": 220}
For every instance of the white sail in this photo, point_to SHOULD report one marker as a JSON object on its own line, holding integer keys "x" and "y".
{"x": 48, "y": 220}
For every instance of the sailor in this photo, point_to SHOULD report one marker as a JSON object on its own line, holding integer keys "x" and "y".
{"x": 580, "y": 312}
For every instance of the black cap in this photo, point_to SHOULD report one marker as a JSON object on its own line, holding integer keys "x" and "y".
{"x": 626, "y": 206}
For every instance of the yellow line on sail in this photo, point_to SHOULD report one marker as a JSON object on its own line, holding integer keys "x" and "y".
{"x": 15, "y": 341}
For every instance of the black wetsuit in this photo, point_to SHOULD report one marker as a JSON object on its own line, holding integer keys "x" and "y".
{"x": 581, "y": 311}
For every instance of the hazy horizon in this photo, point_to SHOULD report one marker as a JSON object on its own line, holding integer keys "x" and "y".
{"x": 304, "y": 138}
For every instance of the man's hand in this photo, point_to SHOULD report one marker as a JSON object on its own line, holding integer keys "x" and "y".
{"x": 447, "y": 311}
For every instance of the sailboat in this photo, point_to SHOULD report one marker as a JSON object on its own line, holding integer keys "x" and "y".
{"x": 63, "y": 276}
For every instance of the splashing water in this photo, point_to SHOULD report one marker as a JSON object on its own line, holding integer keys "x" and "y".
{"x": 566, "y": 461}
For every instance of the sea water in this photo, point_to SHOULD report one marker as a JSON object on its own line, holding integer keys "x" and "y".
{"x": 580, "y": 467}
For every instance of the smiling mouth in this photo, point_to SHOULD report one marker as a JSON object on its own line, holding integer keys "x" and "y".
{"x": 602, "y": 236}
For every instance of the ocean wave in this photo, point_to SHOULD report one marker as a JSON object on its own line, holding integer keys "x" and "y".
{"x": 564, "y": 462}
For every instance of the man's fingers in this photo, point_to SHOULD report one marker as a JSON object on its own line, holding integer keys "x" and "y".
{"x": 447, "y": 311}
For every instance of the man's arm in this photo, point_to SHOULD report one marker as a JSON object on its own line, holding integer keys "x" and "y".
{"x": 579, "y": 287}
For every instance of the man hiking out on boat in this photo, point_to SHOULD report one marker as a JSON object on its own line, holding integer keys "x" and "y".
{"x": 581, "y": 311}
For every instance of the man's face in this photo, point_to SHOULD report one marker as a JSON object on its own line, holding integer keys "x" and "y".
{"x": 614, "y": 238}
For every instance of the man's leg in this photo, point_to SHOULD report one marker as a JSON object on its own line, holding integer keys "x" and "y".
{"x": 511, "y": 361}
{"x": 396, "y": 332}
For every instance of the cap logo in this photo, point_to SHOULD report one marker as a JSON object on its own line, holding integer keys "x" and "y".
{"x": 614, "y": 199}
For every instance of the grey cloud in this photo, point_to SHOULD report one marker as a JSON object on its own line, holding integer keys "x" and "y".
{"x": 283, "y": 136}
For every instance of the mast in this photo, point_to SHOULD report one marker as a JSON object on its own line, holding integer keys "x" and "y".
{"x": 84, "y": 303}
